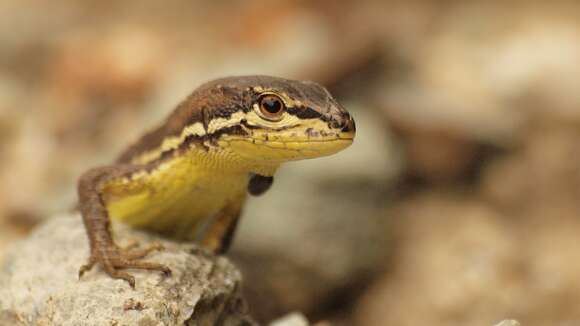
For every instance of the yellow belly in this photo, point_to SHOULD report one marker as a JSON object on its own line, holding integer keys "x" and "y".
{"x": 176, "y": 198}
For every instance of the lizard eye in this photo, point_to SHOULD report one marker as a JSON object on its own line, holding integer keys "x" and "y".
{"x": 271, "y": 106}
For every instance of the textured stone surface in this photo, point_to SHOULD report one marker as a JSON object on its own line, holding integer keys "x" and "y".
{"x": 39, "y": 284}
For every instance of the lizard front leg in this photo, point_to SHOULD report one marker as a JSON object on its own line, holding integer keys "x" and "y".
{"x": 104, "y": 251}
{"x": 220, "y": 233}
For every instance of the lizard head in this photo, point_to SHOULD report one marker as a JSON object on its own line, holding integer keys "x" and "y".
{"x": 275, "y": 120}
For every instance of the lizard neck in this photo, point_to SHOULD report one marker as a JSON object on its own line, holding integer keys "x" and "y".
{"x": 227, "y": 162}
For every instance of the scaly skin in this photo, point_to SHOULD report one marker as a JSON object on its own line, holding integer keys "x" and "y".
{"x": 225, "y": 140}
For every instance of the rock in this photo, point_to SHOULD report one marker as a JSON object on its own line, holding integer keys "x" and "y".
{"x": 457, "y": 262}
{"x": 39, "y": 284}
{"x": 550, "y": 154}
{"x": 437, "y": 154}
{"x": 473, "y": 263}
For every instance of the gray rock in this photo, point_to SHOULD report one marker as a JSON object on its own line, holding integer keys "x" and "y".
{"x": 39, "y": 284}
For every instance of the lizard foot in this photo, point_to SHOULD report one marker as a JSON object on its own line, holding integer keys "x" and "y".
{"x": 113, "y": 259}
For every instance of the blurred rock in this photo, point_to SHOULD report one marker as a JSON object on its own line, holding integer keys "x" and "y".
{"x": 39, "y": 284}
{"x": 436, "y": 154}
{"x": 542, "y": 174}
{"x": 454, "y": 252}
{"x": 483, "y": 70}
{"x": 7, "y": 236}
{"x": 472, "y": 265}
{"x": 478, "y": 79}
{"x": 87, "y": 95}
{"x": 319, "y": 232}
{"x": 13, "y": 227}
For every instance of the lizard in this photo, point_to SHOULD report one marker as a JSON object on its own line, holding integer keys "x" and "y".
{"x": 189, "y": 177}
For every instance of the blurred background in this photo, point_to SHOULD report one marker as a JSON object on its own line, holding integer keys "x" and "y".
{"x": 458, "y": 204}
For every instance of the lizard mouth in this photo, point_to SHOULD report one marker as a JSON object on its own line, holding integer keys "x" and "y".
{"x": 347, "y": 135}
{"x": 277, "y": 151}
{"x": 308, "y": 139}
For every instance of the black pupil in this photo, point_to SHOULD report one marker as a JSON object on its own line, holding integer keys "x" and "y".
{"x": 271, "y": 104}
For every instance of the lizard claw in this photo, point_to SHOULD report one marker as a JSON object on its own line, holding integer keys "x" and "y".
{"x": 113, "y": 259}
{"x": 87, "y": 267}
